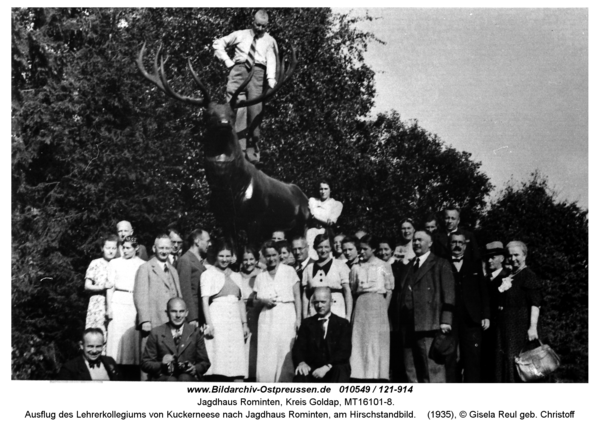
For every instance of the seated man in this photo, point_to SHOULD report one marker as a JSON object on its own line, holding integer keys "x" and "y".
{"x": 322, "y": 350}
{"x": 175, "y": 351}
{"x": 92, "y": 365}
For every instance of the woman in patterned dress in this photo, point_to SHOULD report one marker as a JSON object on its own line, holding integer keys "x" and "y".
{"x": 225, "y": 313}
{"x": 372, "y": 281}
{"x": 123, "y": 338}
{"x": 250, "y": 271}
{"x": 278, "y": 289}
{"x": 95, "y": 283}
{"x": 327, "y": 272}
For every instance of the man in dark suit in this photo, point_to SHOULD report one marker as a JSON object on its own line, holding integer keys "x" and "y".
{"x": 495, "y": 273}
{"x": 92, "y": 365}
{"x": 471, "y": 316}
{"x": 426, "y": 303}
{"x": 175, "y": 351}
{"x": 322, "y": 350}
{"x": 452, "y": 221}
{"x": 189, "y": 267}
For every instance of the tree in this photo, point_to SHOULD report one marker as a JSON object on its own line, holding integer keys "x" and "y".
{"x": 556, "y": 235}
{"x": 93, "y": 143}
{"x": 400, "y": 170}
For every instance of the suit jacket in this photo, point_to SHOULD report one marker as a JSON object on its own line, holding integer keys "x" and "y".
{"x": 472, "y": 293}
{"x": 492, "y": 285}
{"x": 316, "y": 352}
{"x": 77, "y": 369}
{"x": 433, "y": 293}
{"x": 160, "y": 343}
{"x": 152, "y": 291}
{"x": 399, "y": 269}
{"x": 189, "y": 269}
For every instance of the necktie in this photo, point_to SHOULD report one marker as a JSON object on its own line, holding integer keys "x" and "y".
{"x": 94, "y": 363}
{"x": 166, "y": 269}
{"x": 416, "y": 265}
{"x": 322, "y": 325}
{"x": 177, "y": 336}
{"x": 250, "y": 59}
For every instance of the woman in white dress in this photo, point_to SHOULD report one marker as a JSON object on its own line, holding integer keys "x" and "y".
{"x": 372, "y": 281}
{"x": 278, "y": 289}
{"x": 249, "y": 272}
{"x": 327, "y": 272}
{"x": 96, "y": 278}
{"x": 225, "y": 313}
{"x": 123, "y": 337}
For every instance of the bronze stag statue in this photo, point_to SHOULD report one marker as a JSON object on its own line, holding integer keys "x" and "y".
{"x": 242, "y": 197}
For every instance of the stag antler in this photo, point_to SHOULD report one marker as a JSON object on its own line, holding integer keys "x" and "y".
{"x": 159, "y": 78}
{"x": 283, "y": 75}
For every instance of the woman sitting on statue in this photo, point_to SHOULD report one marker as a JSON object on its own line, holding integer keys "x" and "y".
{"x": 324, "y": 213}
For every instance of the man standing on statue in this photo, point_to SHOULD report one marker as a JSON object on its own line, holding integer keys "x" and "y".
{"x": 255, "y": 50}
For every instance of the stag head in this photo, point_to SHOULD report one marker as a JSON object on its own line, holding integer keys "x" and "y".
{"x": 221, "y": 141}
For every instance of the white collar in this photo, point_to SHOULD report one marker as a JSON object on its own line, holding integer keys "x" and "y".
{"x": 423, "y": 258}
{"x": 496, "y": 273}
{"x": 326, "y": 317}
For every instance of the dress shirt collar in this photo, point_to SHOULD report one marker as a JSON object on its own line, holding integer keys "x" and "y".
{"x": 458, "y": 262}
{"x": 326, "y": 317}
{"x": 496, "y": 273}
{"x": 305, "y": 262}
{"x": 97, "y": 373}
{"x": 423, "y": 258}
{"x": 325, "y": 324}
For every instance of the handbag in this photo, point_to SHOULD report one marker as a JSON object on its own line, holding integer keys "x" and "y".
{"x": 537, "y": 363}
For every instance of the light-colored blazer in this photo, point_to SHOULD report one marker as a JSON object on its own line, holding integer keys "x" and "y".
{"x": 152, "y": 291}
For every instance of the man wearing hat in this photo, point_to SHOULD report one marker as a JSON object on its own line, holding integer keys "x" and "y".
{"x": 495, "y": 272}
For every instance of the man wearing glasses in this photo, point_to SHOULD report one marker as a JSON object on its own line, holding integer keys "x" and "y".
{"x": 255, "y": 50}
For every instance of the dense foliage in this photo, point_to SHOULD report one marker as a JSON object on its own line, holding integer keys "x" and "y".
{"x": 93, "y": 143}
{"x": 556, "y": 234}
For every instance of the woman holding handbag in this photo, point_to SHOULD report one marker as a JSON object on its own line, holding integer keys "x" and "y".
{"x": 519, "y": 299}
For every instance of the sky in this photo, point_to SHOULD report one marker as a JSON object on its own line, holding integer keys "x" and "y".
{"x": 509, "y": 86}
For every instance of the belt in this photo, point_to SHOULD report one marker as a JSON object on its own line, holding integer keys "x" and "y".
{"x": 264, "y": 67}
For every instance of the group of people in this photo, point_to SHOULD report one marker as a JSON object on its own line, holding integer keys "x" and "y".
{"x": 428, "y": 308}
